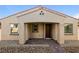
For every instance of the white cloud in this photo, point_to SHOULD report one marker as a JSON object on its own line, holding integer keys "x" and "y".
{"x": 76, "y": 16}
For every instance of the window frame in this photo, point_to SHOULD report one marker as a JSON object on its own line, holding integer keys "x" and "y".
{"x": 67, "y": 33}
{"x": 33, "y": 28}
{"x": 14, "y": 33}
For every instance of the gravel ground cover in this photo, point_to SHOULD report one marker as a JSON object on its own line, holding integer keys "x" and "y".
{"x": 32, "y": 46}
{"x": 71, "y": 49}
{"x": 25, "y": 49}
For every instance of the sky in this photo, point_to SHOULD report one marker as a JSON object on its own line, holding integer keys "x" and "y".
{"x": 71, "y": 10}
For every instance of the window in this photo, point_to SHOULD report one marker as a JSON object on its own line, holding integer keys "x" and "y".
{"x": 68, "y": 28}
{"x": 14, "y": 28}
{"x": 34, "y": 27}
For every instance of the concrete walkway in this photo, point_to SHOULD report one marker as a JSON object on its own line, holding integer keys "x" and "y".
{"x": 54, "y": 45}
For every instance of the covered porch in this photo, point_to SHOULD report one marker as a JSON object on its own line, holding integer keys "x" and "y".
{"x": 41, "y": 31}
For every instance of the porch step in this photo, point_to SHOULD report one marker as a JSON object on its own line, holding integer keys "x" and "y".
{"x": 38, "y": 41}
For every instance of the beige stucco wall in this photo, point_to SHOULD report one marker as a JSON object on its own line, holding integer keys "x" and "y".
{"x": 0, "y": 34}
{"x": 55, "y": 31}
{"x": 41, "y": 31}
{"x": 72, "y": 36}
{"x": 53, "y": 18}
{"x": 39, "y": 34}
{"x": 78, "y": 32}
{"x": 36, "y": 18}
{"x": 5, "y": 29}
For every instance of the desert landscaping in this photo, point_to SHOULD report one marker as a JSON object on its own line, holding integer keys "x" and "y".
{"x": 37, "y": 46}
{"x": 35, "y": 49}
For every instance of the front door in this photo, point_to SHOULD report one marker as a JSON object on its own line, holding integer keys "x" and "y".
{"x": 48, "y": 30}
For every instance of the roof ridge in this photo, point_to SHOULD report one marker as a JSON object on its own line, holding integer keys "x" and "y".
{"x": 40, "y": 7}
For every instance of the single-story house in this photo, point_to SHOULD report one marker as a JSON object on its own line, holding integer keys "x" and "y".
{"x": 39, "y": 22}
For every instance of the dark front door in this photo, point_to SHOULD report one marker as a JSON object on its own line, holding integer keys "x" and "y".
{"x": 48, "y": 30}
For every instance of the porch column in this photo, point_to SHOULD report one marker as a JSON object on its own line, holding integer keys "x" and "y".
{"x": 56, "y": 32}
{"x": 26, "y": 32}
{"x": 44, "y": 32}
{"x": 61, "y": 34}
{"x": 23, "y": 33}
